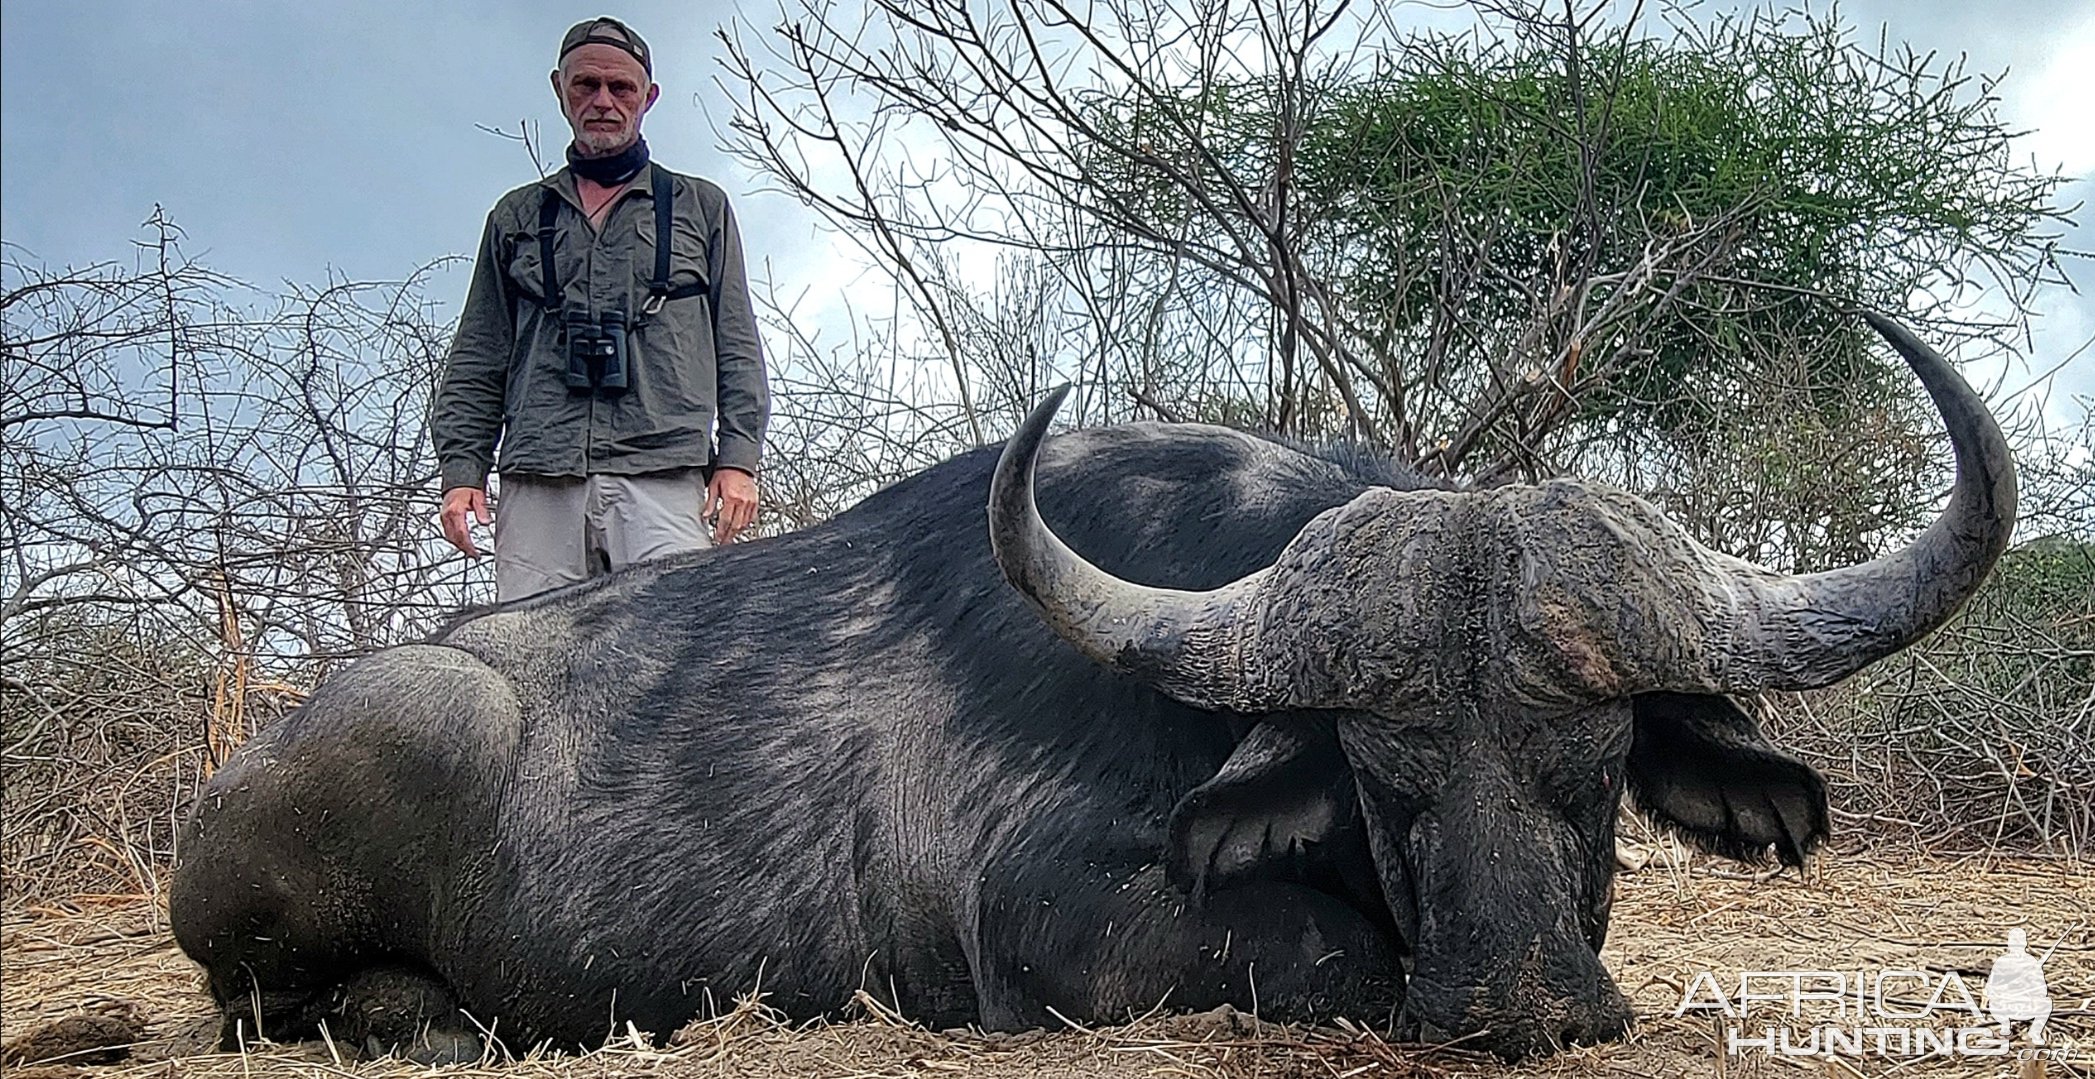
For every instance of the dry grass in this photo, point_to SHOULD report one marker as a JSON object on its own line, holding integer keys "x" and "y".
{"x": 1979, "y": 742}
{"x": 110, "y": 741}
{"x": 1981, "y": 737}
{"x": 1673, "y": 918}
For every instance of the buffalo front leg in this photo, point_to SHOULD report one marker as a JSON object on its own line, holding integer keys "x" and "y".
{"x": 381, "y": 1011}
{"x": 1104, "y": 944}
{"x": 396, "y": 1011}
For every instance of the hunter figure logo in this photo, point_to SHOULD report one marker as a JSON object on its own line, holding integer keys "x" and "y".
{"x": 2015, "y": 991}
{"x": 1912, "y": 1012}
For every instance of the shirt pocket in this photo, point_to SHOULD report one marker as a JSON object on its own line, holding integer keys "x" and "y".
{"x": 526, "y": 271}
{"x": 688, "y": 255}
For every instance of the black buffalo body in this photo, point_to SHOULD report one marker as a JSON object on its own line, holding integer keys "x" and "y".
{"x": 845, "y": 758}
{"x": 855, "y": 757}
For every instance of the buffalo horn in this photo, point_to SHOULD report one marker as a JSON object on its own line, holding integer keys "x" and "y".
{"x": 1811, "y": 630}
{"x": 1186, "y": 644}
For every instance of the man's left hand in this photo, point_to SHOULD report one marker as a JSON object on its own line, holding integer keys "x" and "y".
{"x": 731, "y": 503}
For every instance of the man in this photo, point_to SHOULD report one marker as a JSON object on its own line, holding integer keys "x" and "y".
{"x": 607, "y": 339}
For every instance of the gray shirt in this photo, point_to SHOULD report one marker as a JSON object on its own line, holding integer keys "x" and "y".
{"x": 695, "y": 365}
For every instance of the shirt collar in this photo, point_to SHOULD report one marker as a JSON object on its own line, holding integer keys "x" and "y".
{"x": 562, "y": 181}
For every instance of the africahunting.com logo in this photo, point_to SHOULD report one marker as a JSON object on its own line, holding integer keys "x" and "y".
{"x": 1895, "y": 1013}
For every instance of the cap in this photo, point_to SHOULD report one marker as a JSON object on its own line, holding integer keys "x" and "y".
{"x": 605, "y": 30}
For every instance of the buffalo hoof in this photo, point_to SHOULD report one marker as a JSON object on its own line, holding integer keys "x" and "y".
{"x": 405, "y": 1013}
{"x": 431, "y": 1048}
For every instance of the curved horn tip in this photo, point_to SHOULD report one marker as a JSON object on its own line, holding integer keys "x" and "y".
{"x": 1936, "y": 373}
{"x": 1894, "y": 331}
{"x": 1884, "y": 323}
{"x": 1035, "y": 425}
{"x": 1011, "y": 486}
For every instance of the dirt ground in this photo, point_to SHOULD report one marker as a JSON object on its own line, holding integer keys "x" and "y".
{"x": 113, "y": 973}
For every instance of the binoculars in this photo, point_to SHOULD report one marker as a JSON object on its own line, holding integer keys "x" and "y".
{"x": 596, "y": 355}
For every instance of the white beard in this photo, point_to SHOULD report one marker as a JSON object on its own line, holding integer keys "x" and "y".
{"x": 603, "y": 144}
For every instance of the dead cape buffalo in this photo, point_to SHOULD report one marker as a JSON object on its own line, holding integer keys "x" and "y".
{"x": 1280, "y": 729}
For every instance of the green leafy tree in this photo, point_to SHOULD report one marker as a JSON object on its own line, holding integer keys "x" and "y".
{"x": 1554, "y": 245}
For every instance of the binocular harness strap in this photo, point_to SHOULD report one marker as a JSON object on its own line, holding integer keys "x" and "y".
{"x": 663, "y": 190}
{"x": 549, "y": 288}
{"x": 665, "y": 205}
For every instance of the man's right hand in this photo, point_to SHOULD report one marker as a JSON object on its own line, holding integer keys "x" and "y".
{"x": 458, "y": 502}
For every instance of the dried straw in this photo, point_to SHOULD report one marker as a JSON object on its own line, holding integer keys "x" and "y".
{"x": 1679, "y": 915}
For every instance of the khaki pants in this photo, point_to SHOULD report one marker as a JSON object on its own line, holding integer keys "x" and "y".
{"x": 552, "y": 530}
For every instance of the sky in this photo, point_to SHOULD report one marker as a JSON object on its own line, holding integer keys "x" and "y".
{"x": 293, "y": 142}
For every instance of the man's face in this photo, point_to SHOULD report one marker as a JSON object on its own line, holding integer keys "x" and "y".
{"x": 603, "y": 93}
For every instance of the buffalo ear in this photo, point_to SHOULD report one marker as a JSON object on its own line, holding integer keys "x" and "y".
{"x": 1699, "y": 764}
{"x": 1282, "y": 807}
